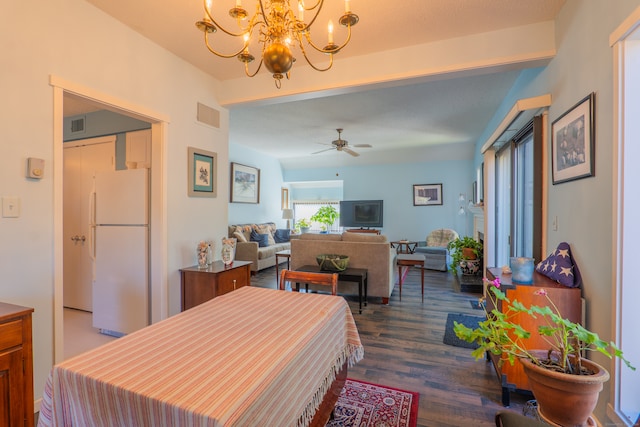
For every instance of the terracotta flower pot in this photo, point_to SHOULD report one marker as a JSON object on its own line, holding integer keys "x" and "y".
{"x": 468, "y": 253}
{"x": 564, "y": 399}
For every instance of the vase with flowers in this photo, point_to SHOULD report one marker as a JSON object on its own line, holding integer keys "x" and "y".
{"x": 560, "y": 364}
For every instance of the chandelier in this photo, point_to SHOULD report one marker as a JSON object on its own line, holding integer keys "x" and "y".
{"x": 277, "y": 28}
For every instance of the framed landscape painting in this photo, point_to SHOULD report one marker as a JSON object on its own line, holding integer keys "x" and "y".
{"x": 573, "y": 142}
{"x": 427, "y": 194}
{"x": 202, "y": 168}
{"x": 245, "y": 184}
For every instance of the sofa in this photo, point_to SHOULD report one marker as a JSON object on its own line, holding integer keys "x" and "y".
{"x": 435, "y": 249}
{"x": 251, "y": 250}
{"x": 369, "y": 251}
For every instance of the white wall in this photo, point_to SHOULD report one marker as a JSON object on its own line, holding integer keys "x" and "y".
{"x": 77, "y": 42}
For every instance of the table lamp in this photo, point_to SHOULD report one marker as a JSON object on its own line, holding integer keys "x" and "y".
{"x": 288, "y": 215}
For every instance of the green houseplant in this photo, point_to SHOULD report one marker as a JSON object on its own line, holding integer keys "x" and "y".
{"x": 560, "y": 364}
{"x": 466, "y": 253}
{"x": 303, "y": 225}
{"x": 326, "y": 216}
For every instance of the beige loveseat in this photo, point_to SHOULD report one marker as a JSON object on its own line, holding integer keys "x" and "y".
{"x": 246, "y": 250}
{"x": 369, "y": 251}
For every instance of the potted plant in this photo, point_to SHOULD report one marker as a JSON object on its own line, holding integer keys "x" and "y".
{"x": 466, "y": 253}
{"x": 304, "y": 225}
{"x": 554, "y": 373}
{"x": 326, "y": 216}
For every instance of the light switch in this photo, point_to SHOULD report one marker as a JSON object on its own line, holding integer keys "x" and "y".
{"x": 10, "y": 207}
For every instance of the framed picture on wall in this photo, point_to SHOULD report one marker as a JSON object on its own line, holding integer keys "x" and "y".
{"x": 245, "y": 184}
{"x": 573, "y": 142}
{"x": 427, "y": 194}
{"x": 202, "y": 168}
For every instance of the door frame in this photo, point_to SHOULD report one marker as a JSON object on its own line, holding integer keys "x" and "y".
{"x": 158, "y": 276}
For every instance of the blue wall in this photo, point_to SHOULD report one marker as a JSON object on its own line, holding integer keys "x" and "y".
{"x": 269, "y": 208}
{"x": 394, "y": 184}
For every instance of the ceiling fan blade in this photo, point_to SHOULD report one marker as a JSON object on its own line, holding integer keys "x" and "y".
{"x": 322, "y": 151}
{"x": 362, "y": 145}
{"x": 350, "y": 151}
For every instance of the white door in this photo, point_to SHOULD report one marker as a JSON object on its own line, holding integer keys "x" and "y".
{"x": 81, "y": 160}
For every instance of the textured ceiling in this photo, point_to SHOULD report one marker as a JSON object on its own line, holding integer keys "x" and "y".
{"x": 399, "y": 122}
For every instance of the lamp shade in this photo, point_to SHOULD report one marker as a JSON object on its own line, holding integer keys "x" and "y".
{"x": 287, "y": 213}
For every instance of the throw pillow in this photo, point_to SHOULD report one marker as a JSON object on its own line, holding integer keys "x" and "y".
{"x": 262, "y": 239}
{"x": 282, "y": 235}
{"x": 559, "y": 266}
{"x": 240, "y": 236}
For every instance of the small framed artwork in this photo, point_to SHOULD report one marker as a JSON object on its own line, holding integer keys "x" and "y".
{"x": 427, "y": 194}
{"x": 284, "y": 198}
{"x": 245, "y": 184}
{"x": 573, "y": 142}
{"x": 202, "y": 169}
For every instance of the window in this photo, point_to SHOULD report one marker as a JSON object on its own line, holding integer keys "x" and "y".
{"x": 518, "y": 195}
{"x": 307, "y": 209}
{"x": 626, "y": 181}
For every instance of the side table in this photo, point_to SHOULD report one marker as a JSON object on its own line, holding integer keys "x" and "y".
{"x": 408, "y": 260}
{"x": 404, "y": 246}
{"x": 202, "y": 284}
{"x": 282, "y": 254}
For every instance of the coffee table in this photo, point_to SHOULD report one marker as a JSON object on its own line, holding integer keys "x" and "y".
{"x": 357, "y": 275}
{"x": 408, "y": 260}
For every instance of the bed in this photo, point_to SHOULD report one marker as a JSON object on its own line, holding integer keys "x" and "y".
{"x": 254, "y": 356}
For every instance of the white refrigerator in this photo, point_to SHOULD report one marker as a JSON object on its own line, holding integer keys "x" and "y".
{"x": 120, "y": 232}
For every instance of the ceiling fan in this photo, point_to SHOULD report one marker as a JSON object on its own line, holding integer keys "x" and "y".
{"x": 342, "y": 145}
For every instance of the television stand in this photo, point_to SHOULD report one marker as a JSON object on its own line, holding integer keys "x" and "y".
{"x": 363, "y": 230}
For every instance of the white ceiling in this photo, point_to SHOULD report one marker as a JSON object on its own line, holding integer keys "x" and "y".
{"x": 399, "y": 122}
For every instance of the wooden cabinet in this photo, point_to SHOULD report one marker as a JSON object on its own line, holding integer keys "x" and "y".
{"x": 568, "y": 301}
{"x": 202, "y": 284}
{"x": 16, "y": 366}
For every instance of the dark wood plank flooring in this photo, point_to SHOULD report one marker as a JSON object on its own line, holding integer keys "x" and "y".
{"x": 404, "y": 349}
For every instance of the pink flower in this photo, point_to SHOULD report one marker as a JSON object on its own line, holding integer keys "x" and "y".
{"x": 495, "y": 282}
{"x": 542, "y": 292}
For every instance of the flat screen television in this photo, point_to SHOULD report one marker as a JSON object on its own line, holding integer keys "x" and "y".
{"x": 361, "y": 213}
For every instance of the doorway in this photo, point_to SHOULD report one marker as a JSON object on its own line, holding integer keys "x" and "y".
{"x": 157, "y": 259}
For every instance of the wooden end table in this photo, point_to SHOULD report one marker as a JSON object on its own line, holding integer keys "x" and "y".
{"x": 404, "y": 246}
{"x": 357, "y": 275}
{"x": 408, "y": 260}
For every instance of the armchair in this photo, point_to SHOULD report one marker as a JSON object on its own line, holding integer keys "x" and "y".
{"x": 435, "y": 249}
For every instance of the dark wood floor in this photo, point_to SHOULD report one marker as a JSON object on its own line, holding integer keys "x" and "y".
{"x": 404, "y": 349}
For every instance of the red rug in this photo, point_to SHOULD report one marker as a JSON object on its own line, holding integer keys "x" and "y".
{"x": 364, "y": 404}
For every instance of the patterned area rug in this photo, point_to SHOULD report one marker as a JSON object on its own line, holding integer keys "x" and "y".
{"x": 364, "y": 404}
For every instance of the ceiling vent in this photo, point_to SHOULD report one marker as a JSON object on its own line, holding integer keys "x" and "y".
{"x": 78, "y": 125}
{"x": 208, "y": 116}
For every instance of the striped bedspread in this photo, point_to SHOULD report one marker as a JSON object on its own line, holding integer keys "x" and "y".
{"x": 253, "y": 357}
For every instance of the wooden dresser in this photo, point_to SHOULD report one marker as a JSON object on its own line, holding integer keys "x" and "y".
{"x": 568, "y": 301}
{"x": 202, "y": 284}
{"x": 16, "y": 366}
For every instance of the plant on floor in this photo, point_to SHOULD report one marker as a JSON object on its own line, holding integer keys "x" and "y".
{"x": 326, "y": 216}
{"x": 463, "y": 249}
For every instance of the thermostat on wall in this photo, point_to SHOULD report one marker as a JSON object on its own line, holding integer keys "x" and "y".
{"x": 35, "y": 168}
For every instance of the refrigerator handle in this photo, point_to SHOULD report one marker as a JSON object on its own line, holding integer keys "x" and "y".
{"x": 92, "y": 225}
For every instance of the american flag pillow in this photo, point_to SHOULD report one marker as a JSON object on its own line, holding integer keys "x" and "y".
{"x": 559, "y": 266}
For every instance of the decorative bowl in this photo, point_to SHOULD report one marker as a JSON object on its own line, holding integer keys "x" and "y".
{"x": 332, "y": 262}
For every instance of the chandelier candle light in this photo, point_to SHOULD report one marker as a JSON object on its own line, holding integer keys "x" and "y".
{"x": 277, "y": 28}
